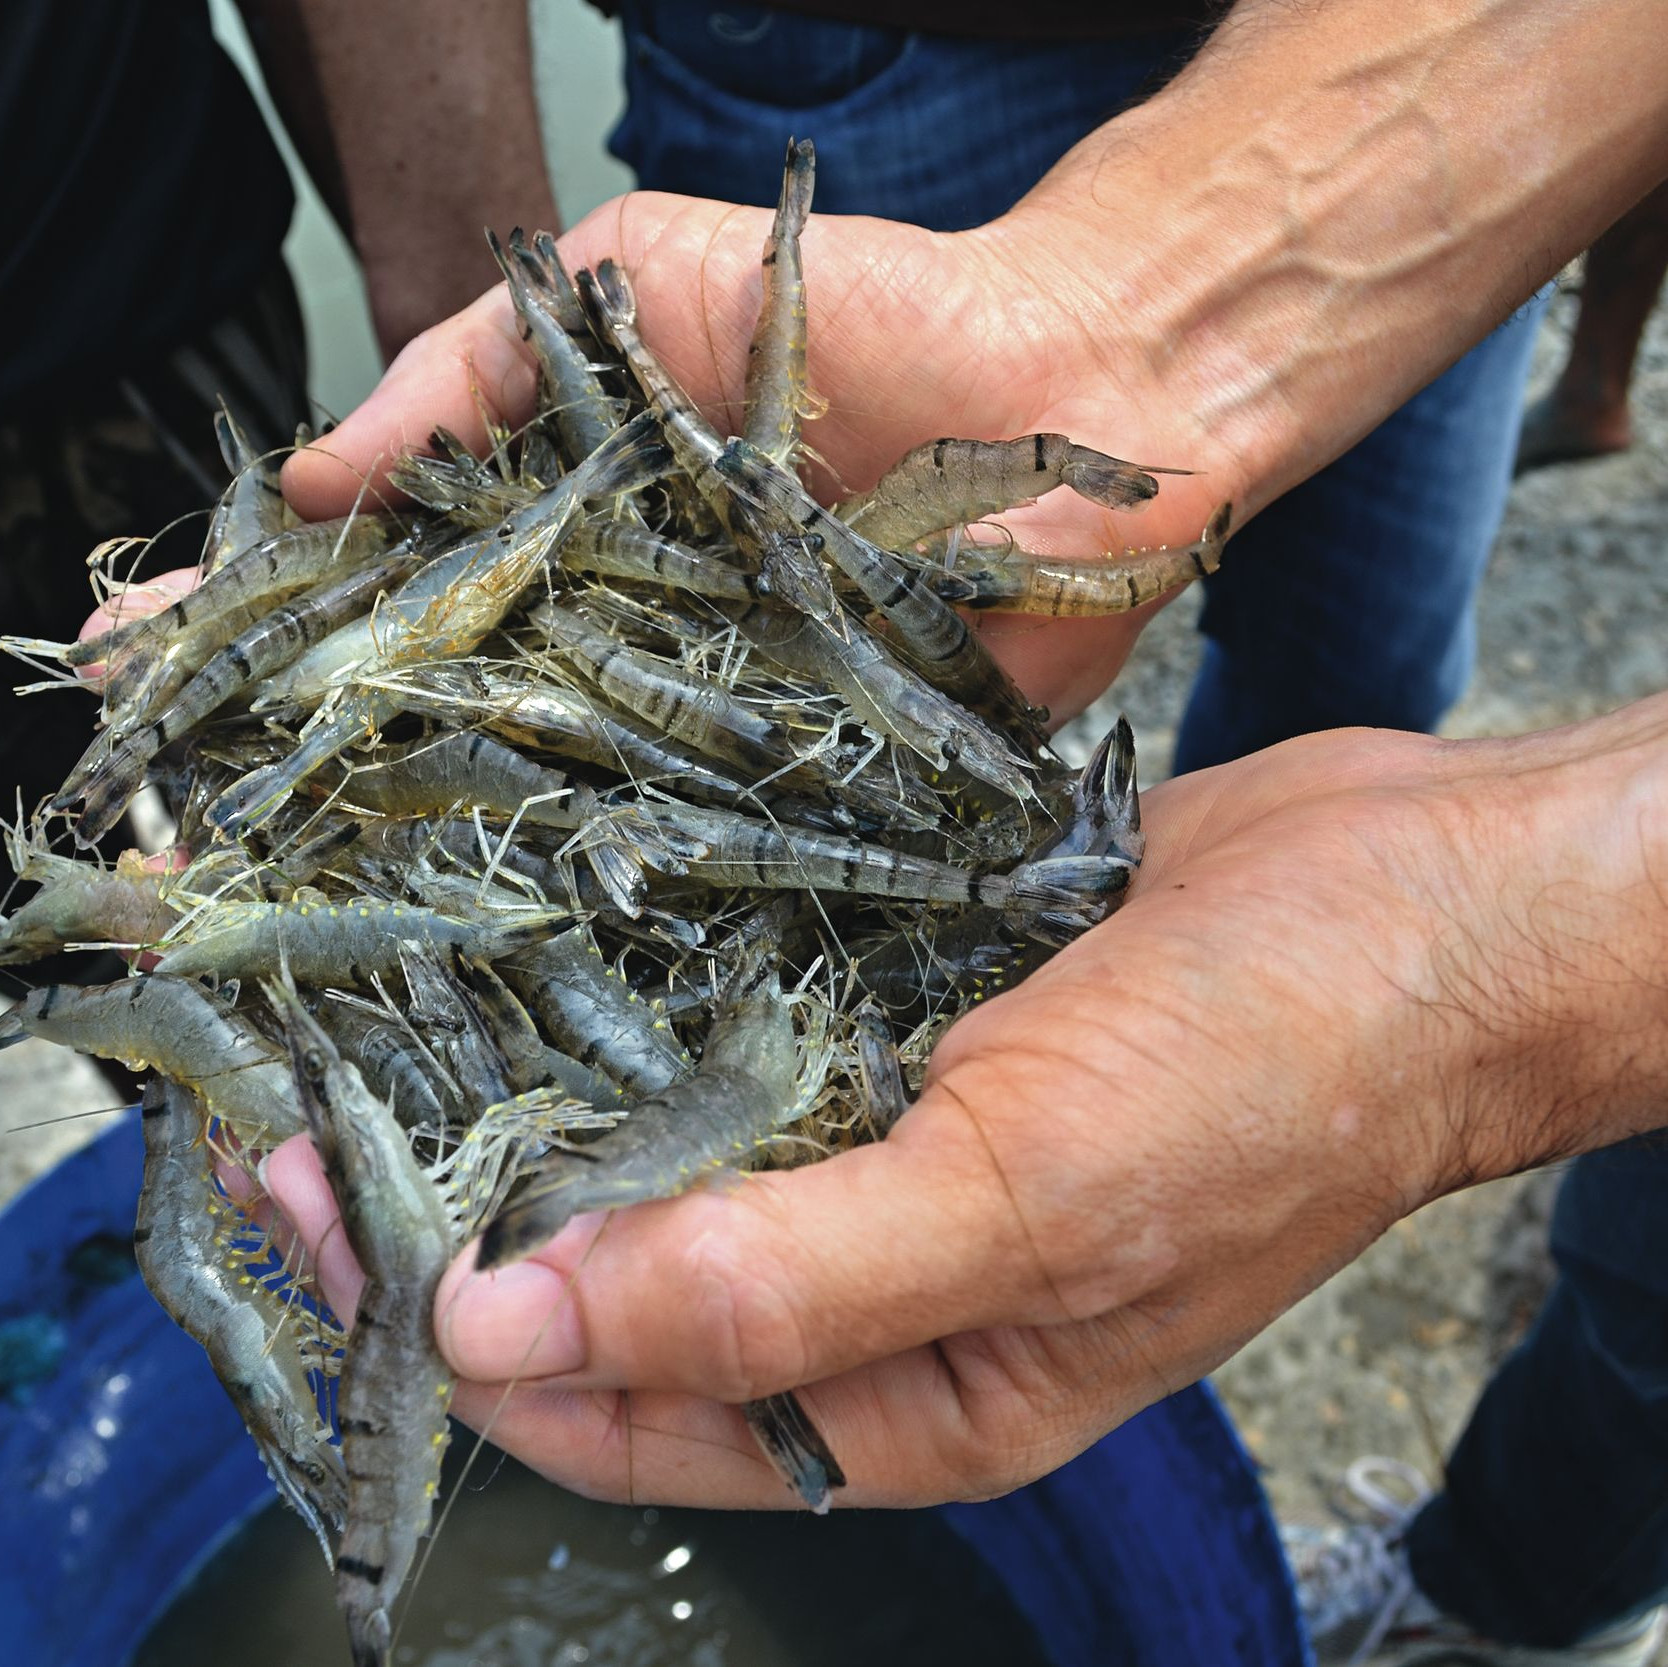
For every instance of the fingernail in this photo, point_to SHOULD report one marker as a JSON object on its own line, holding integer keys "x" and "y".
{"x": 261, "y": 1175}
{"x": 519, "y": 1321}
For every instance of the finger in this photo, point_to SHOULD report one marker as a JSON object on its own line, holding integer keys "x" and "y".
{"x": 472, "y": 368}
{"x": 779, "y": 1280}
{"x": 654, "y": 1447}
{"x": 968, "y": 1418}
{"x": 296, "y": 1181}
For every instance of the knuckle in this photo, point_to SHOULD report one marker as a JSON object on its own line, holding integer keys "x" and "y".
{"x": 747, "y": 1339}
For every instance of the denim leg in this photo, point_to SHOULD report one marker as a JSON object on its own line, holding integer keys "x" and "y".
{"x": 1350, "y": 600}
{"x": 1554, "y": 1521}
{"x": 932, "y": 129}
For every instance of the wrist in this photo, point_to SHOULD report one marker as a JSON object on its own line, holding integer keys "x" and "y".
{"x": 1320, "y": 214}
{"x": 1549, "y": 970}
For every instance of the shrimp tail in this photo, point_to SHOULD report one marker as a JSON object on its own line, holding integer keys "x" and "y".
{"x": 606, "y": 293}
{"x": 632, "y": 457}
{"x": 110, "y": 787}
{"x": 795, "y": 1447}
{"x": 1106, "y": 801}
{"x": 523, "y": 1225}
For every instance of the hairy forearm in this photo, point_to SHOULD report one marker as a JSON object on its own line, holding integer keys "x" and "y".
{"x": 433, "y": 118}
{"x": 1334, "y": 201}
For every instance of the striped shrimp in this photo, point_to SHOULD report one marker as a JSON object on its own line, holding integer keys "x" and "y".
{"x": 618, "y": 550}
{"x": 395, "y": 1389}
{"x": 994, "y": 576}
{"x": 585, "y": 413}
{"x": 350, "y": 942}
{"x": 171, "y": 1026}
{"x": 727, "y": 849}
{"x": 888, "y": 696}
{"x": 183, "y": 1253}
{"x": 880, "y": 1075}
{"x": 474, "y": 770}
{"x": 385, "y": 1056}
{"x": 591, "y": 1013}
{"x": 720, "y": 1116}
{"x": 776, "y": 393}
{"x": 149, "y": 660}
{"x": 928, "y": 631}
{"x": 265, "y": 647}
{"x": 688, "y": 708}
{"x": 946, "y": 483}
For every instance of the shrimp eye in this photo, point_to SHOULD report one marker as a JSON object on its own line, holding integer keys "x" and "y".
{"x": 312, "y": 1062}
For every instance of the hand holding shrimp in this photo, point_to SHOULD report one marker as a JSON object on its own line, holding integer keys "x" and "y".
{"x": 1111, "y": 1179}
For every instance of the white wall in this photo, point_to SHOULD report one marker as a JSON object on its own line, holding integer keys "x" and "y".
{"x": 577, "y": 69}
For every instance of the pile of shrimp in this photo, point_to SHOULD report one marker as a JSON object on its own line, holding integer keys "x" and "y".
{"x": 616, "y": 816}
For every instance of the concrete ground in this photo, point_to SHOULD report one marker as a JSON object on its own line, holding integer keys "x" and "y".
{"x": 1387, "y": 1357}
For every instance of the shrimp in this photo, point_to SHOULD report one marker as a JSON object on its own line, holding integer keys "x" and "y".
{"x": 382, "y": 1050}
{"x": 893, "y": 700}
{"x": 724, "y": 848}
{"x": 350, "y": 942}
{"x": 879, "y": 1072}
{"x": 946, "y": 483}
{"x": 181, "y": 1248}
{"x": 699, "y": 713}
{"x": 395, "y": 1389}
{"x": 745, "y": 1088}
{"x": 171, "y": 1026}
{"x": 585, "y": 415}
{"x": 465, "y": 769}
{"x": 1060, "y": 588}
{"x": 592, "y": 1014}
{"x": 266, "y": 646}
{"x": 444, "y": 1012}
{"x": 618, "y": 550}
{"x": 78, "y": 903}
{"x": 776, "y": 393}
{"x": 929, "y": 631}
{"x": 252, "y": 507}
{"x": 795, "y": 1447}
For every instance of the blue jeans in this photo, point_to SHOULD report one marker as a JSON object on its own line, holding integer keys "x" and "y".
{"x": 1347, "y": 602}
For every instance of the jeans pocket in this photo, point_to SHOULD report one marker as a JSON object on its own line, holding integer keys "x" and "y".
{"x": 767, "y": 58}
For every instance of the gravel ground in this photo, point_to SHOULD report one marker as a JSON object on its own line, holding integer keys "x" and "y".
{"x": 1388, "y": 1356}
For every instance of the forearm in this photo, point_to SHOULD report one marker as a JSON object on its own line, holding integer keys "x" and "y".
{"x": 1334, "y": 201}
{"x": 432, "y": 113}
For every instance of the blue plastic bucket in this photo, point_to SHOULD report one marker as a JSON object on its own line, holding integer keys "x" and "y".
{"x": 122, "y": 1465}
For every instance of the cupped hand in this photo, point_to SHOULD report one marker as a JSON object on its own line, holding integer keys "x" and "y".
{"x": 912, "y": 335}
{"x": 1321, "y": 1007}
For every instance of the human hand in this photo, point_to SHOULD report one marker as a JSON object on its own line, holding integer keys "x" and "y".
{"x": 912, "y": 334}
{"x": 1356, "y": 971}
